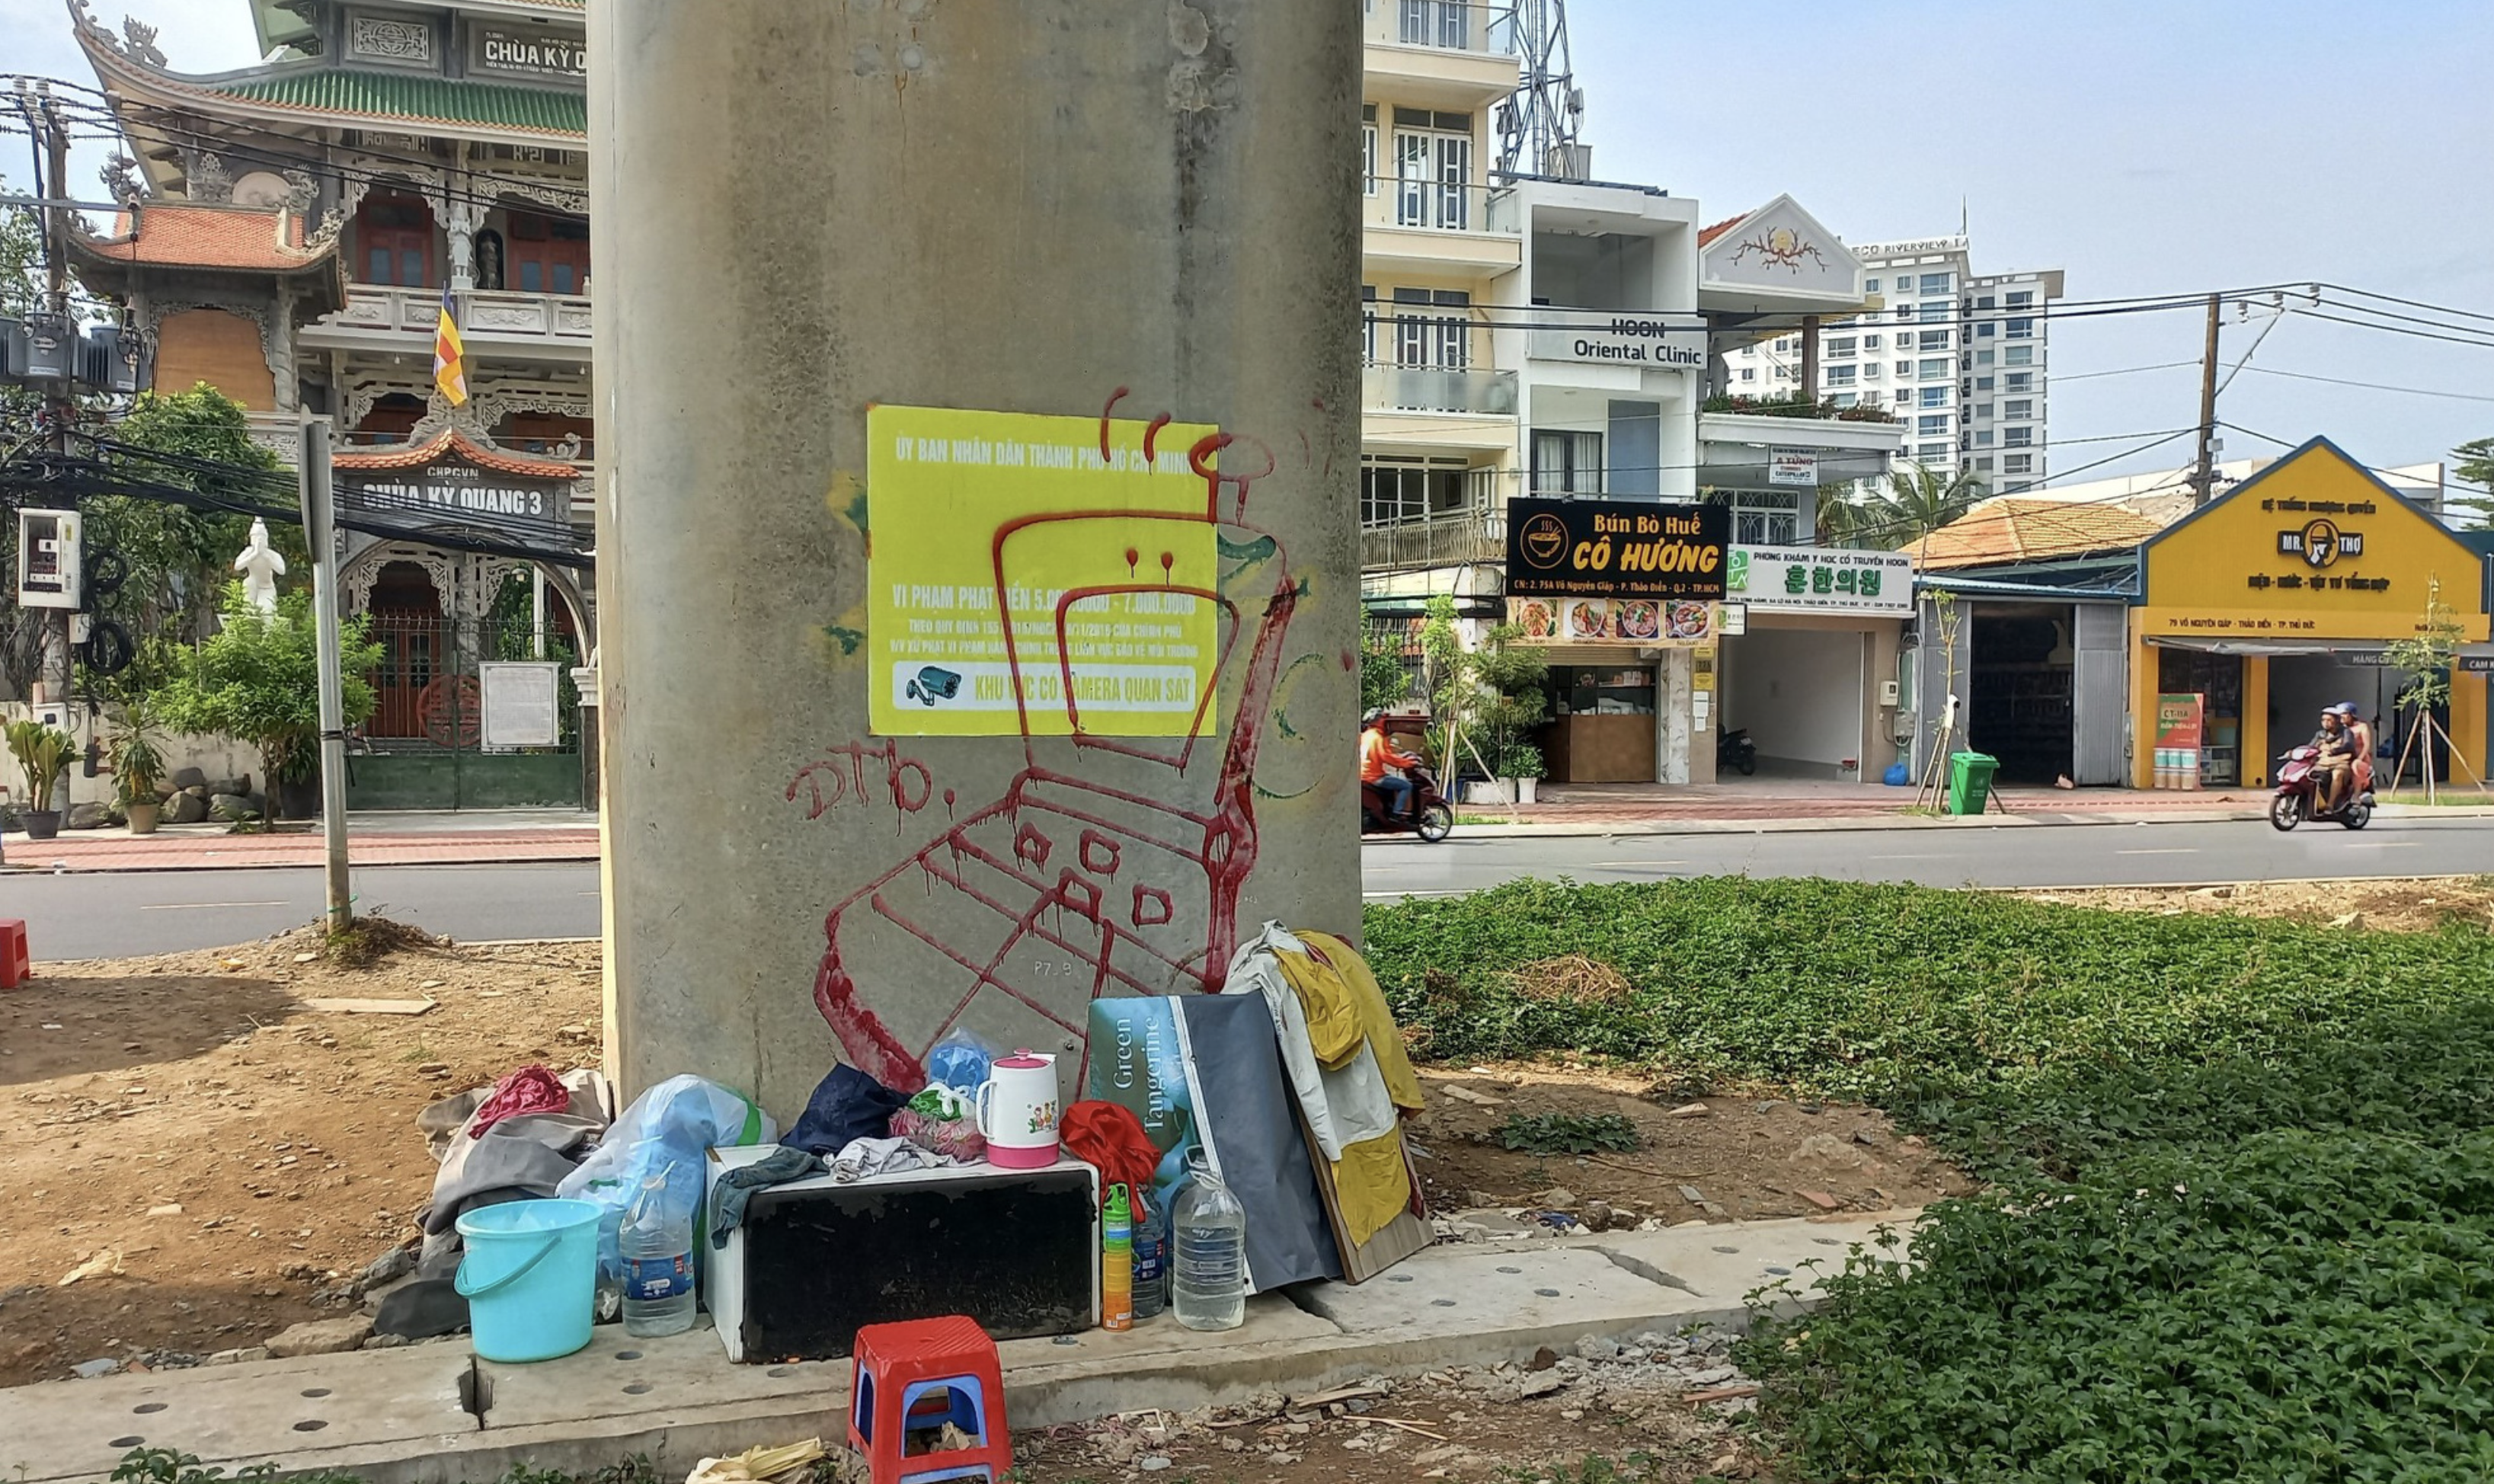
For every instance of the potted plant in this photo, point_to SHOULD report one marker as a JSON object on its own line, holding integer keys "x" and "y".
{"x": 42, "y": 755}
{"x": 1520, "y": 768}
{"x": 138, "y": 763}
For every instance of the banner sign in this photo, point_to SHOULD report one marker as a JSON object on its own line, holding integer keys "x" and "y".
{"x": 2180, "y": 721}
{"x": 1616, "y": 549}
{"x": 1829, "y": 580}
{"x": 521, "y": 703}
{"x": 1019, "y": 580}
{"x": 1644, "y": 622}
{"x": 453, "y": 492}
{"x": 1792, "y": 465}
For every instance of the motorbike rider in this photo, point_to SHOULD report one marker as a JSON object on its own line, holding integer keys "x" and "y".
{"x": 2362, "y": 732}
{"x": 2336, "y": 764}
{"x": 1376, "y": 755}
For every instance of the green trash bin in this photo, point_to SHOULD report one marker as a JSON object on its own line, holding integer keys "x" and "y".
{"x": 1970, "y": 780}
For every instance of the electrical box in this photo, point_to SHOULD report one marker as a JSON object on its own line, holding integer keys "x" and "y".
{"x": 51, "y": 348}
{"x": 1887, "y": 692}
{"x": 48, "y": 558}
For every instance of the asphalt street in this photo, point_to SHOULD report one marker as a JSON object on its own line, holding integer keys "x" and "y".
{"x": 111, "y": 915}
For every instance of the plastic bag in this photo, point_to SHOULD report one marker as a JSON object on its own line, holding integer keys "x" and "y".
{"x": 940, "y": 1119}
{"x": 961, "y": 1062}
{"x": 678, "y": 1122}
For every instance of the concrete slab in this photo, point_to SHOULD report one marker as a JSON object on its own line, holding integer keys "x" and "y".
{"x": 405, "y": 1400}
{"x": 396, "y": 1417}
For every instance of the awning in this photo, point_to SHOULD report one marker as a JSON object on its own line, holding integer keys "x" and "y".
{"x": 2474, "y": 658}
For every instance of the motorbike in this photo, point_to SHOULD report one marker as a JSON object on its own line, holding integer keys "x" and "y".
{"x": 1734, "y": 750}
{"x": 2299, "y": 794}
{"x": 1431, "y": 818}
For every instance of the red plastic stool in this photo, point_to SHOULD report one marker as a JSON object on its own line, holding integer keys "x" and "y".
{"x": 17, "y": 963}
{"x": 916, "y": 1376}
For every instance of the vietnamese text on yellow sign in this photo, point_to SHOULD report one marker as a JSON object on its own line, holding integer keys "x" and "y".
{"x": 1023, "y": 582}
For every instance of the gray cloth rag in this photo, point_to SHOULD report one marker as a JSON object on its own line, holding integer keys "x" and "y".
{"x": 735, "y": 1187}
{"x": 865, "y": 1157}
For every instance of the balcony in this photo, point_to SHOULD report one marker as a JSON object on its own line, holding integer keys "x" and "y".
{"x": 1431, "y": 228}
{"x": 1433, "y": 390}
{"x": 1741, "y": 449}
{"x": 1440, "y": 53}
{"x": 1450, "y": 539}
{"x": 524, "y": 326}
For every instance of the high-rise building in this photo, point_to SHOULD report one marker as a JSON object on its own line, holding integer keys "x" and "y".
{"x": 1960, "y": 357}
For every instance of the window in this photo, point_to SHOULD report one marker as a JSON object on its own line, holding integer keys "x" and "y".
{"x": 2025, "y": 298}
{"x": 1904, "y": 312}
{"x": 1766, "y": 518}
{"x": 1394, "y": 494}
{"x": 1840, "y": 375}
{"x": 1748, "y": 372}
{"x": 2018, "y": 382}
{"x": 1567, "y": 462}
{"x": 1870, "y": 341}
{"x": 1986, "y": 302}
{"x": 1934, "y": 395}
{"x": 1842, "y": 399}
{"x": 1936, "y": 311}
{"x": 1441, "y": 341}
{"x": 1368, "y": 150}
{"x": 1936, "y": 282}
{"x": 1433, "y": 169}
{"x": 1983, "y": 438}
{"x": 1937, "y": 366}
{"x": 1869, "y": 286}
{"x": 2023, "y": 407}
{"x": 1983, "y": 331}
{"x": 394, "y": 236}
{"x": 2017, "y": 355}
{"x": 1932, "y": 425}
{"x": 1983, "y": 463}
{"x": 1871, "y": 371}
{"x": 2017, "y": 486}
{"x": 1932, "y": 339}
{"x": 1838, "y": 349}
{"x": 1368, "y": 324}
{"x": 2019, "y": 329}
{"x": 1931, "y": 451}
{"x": 1984, "y": 357}
{"x": 1788, "y": 343}
{"x": 548, "y": 255}
{"x": 1437, "y": 24}
{"x": 1983, "y": 383}
{"x": 1983, "y": 410}
{"x": 1904, "y": 368}
{"x": 2017, "y": 464}
{"x": 2017, "y": 437}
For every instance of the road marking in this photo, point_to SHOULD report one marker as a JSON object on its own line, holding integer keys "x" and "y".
{"x": 1906, "y": 857}
{"x": 2176, "y": 849}
{"x": 190, "y": 906}
{"x": 1620, "y": 864}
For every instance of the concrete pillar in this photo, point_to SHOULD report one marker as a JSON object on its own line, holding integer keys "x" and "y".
{"x": 1106, "y": 213}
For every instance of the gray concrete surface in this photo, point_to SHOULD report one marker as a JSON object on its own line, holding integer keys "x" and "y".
{"x": 95, "y": 916}
{"x": 1028, "y": 206}
{"x": 427, "y": 1415}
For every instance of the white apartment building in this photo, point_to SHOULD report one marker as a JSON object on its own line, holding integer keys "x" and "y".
{"x": 1961, "y": 358}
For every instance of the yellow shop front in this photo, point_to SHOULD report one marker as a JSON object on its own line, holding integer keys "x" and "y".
{"x": 2280, "y": 598}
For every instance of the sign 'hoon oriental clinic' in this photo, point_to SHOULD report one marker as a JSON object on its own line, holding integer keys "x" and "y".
{"x": 1616, "y": 548}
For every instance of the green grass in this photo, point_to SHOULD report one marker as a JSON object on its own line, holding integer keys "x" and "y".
{"x": 2241, "y": 1223}
{"x": 1569, "y": 1133}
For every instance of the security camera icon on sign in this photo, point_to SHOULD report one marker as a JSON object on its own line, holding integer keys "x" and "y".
{"x": 932, "y": 684}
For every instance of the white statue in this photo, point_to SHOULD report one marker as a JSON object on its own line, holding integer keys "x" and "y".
{"x": 260, "y": 568}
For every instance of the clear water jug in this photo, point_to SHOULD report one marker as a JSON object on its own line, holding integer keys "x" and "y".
{"x": 1209, "y": 1281}
{"x": 656, "y": 1246}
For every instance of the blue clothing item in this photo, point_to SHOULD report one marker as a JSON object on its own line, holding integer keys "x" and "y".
{"x": 1397, "y": 794}
{"x": 848, "y": 1105}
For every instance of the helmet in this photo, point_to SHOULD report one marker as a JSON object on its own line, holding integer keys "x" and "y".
{"x": 2346, "y": 709}
{"x": 1371, "y": 717}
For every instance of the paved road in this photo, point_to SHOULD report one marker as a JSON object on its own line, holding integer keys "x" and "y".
{"x": 100, "y": 915}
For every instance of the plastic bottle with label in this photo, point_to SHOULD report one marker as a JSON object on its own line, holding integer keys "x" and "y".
{"x": 1116, "y": 1262}
{"x": 656, "y": 1246}
{"x": 1209, "y": 1282}
{"x": 1151, "y": 1258}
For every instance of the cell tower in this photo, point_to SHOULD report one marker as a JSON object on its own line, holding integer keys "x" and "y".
{"x": 1537, "y": 126}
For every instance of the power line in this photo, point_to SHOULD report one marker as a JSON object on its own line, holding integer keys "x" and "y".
{"x": 2443, "y": 309}
{"x": 2374, "y": 386}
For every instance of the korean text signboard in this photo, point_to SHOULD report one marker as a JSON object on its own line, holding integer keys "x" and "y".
{"x": 1021, "y": 582}
{"x": 1616, "y": 549}
{"x": 1822, "y": 580}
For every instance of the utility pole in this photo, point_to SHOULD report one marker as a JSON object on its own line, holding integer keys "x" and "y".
{"x": 319, "y": 534}
{"x": 60, "y": 408}
{"x": 2203, "y": 475}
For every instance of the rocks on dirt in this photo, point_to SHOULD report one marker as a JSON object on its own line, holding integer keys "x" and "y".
{"x": 1691, "y": 1110}
{"x": 1557, "y": 1199}
{"x": 322, "y": 1337}
{"x": 91, "y": 1370}
{"x": 1829, "y": 1148}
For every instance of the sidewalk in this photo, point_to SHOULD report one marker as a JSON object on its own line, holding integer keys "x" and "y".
{"x": 391, "y": 838}
{"x": 1787, "y": 803}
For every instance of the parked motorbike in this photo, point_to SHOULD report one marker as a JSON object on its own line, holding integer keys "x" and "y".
{"x": 1431, "y": 819}
{"x": 1734, "y": 750}
{"x": 2299, "y": 794}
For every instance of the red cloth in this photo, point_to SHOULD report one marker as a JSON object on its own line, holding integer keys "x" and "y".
{"x": 528, "y": 1090}
{"x": 1108, "y": 1137}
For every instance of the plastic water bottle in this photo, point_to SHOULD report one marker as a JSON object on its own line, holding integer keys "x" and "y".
{"x": 1210, "y": 1278}
{"x": 1151, "y": 1258}
{"x": 656, "y": 1245}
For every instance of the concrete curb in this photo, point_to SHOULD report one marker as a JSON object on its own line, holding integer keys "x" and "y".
{"x": 1563, "y": 830}
{"x": 429, "y": 1415}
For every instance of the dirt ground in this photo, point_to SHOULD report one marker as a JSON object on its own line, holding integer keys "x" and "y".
{"x": 216, "y": 1152}
{"x": 2414, "y": 904}
{"x": 1659, "y": 1412}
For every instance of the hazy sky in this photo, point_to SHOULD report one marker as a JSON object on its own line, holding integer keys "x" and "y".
{"x": 2144, "y": 148}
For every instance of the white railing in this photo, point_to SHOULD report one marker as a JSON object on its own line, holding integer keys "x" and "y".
{"x": 1447, "y": 26}
{"x": 1430, "y": 389}
{"x": 484, "y": 315}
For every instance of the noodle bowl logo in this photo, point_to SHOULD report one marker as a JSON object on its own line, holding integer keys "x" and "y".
{"x": 1544, "y": 540}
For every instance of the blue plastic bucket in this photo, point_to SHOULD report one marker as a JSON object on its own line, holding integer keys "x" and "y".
{"x": 529, "y": 1276}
